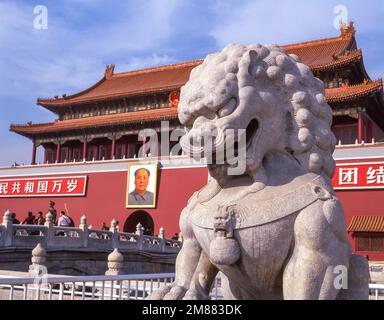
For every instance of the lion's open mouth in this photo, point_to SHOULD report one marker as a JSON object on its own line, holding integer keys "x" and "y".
{"x": 221, "y": 140}
{"x": 250, "y": 131}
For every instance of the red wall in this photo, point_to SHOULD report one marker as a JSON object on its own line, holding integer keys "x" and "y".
{"x": 359, "y": 203}
{"x": 106, "y": 194}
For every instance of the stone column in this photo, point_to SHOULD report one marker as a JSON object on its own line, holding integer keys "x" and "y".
{"x": 139, "y": 229}
{"x": 162, "y": 233}
{"x": 162, "y": 237}
{"x": 85, "y": 231}
{"x": 7, "y": 237}
{"x": 115, "y": 234}
{"x": 140, "y": 233}
{"x": 50, "y": 229}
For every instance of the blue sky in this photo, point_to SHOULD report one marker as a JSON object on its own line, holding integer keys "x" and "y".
{"x": 85, "y": 35}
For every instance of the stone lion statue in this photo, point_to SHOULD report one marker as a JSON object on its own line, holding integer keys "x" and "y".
{"x": 277, "y": 231}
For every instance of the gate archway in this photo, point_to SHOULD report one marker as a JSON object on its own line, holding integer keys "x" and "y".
{"x": 139, "y": 216}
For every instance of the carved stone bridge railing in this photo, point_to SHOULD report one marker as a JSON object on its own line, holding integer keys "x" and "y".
{"x": 53, "y": 237}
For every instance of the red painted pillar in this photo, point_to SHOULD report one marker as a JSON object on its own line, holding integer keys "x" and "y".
{"x": 58, "y": 149}
{"x": 360, "y": 127}
{"x": 33, "y": 153}
{"x": 85, "y": 149}
{"x": 113, "y": 147}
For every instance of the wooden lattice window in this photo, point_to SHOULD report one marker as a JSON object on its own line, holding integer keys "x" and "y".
{"x": 370, "y": 242}
{"x": 377, "y": 244}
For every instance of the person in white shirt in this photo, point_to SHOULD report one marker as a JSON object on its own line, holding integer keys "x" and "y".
{"x": 64, "y": 220}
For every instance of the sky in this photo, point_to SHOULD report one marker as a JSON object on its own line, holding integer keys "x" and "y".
{"x": 68, "y": 51}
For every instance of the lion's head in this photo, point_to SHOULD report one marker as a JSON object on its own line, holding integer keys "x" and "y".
{"x": 271, "y": 94}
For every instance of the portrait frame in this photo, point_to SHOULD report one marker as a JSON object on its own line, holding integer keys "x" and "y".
{"x": 153, "y": 168}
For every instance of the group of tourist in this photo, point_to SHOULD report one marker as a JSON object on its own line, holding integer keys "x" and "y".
{"x": 30, "y": 219}
{"x": 63, "y": 221}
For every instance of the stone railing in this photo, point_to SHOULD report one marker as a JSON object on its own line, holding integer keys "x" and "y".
{"x": 54, "y": 237}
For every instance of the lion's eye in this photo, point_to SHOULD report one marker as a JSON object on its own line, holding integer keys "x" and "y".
{"x": 228, "y": 108}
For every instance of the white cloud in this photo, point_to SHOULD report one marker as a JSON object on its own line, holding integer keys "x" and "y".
{"x": 67, "y": 58}
{"x": 71, "y": 55}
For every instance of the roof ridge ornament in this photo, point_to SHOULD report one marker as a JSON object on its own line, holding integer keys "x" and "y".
{"x": 174, "y": 98}
{"x": 109, "y": 70}
{"x": 347, "y": 30}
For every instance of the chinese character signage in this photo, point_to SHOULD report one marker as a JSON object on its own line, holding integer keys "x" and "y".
{"x": 43, "y": 187}
{"x": 359, "y": 176}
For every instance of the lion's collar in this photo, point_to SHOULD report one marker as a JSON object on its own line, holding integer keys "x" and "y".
{"x": 268, "y": 205}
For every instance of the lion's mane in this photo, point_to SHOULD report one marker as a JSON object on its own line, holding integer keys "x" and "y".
{"x": 286, "y": 86}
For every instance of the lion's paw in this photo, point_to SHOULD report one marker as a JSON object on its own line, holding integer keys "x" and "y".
{"x": 170, "y": 292}
{"x": 176, "y": 293}
{"x": 192, "y": 294}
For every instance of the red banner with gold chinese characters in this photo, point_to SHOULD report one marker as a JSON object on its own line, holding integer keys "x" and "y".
{"x": 43, "y": 187}
{"x": 369, "y": 175}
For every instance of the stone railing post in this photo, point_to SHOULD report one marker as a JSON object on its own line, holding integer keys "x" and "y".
{"x": 84, "y": 231}
{"x": 50, "y": 230}
{"x": 162, "y": 237}
{"x": 115, "y": 267}
{"x": 115, "y": 234}
{"x": 39, "y": 257}
{"x": 115, "y": 263}
{"x": 140, "y": 233}
{"x": 162, "y": 233}
{"x": 38, "y": 270}
{"x": 8, "y": 229}
{"x": 139, "y": 229}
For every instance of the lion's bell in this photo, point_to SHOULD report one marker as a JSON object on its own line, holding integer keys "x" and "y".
{"x": 224, "y": 251}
